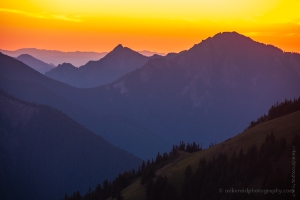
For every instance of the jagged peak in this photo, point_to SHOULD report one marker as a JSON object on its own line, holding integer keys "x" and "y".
{"x": 230, "y": 39}
{"x": 64, "y": 65}
{"x": 229, "y": 35}
{"x": 121, "y": 49}
{"x": 119, "y": 46}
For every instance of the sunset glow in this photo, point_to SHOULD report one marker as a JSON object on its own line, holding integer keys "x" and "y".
{"x": 155, "y": 25}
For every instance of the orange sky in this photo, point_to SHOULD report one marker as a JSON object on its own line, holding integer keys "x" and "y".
{"x": 155, "y": 25}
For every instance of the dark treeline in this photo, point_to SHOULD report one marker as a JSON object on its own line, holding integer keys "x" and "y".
{"x": 278, "y": 110}
{"x": 160, "y": 189}
{"x": 190, "y": 148}
{"x": 148, "y": 170}
{"x": 146, "y": 173}
{"x": 253, "y": 168}
{"x": 259, "y": 168}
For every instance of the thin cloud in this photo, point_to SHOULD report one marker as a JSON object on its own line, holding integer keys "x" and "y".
{"x": 62, "y": 17}
{"x": 284, "y": 34}
{"x": 259, "y": 33}
{"x": 43, "y": 15}
{"x": 291, "y": 34}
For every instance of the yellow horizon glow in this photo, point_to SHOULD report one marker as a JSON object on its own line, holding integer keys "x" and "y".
{"x": 155, "y": 25}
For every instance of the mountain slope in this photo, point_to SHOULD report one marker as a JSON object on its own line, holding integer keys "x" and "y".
{"x": 64, "y": 73}
{"x": 34, "y": 63}
{"x": 286, "y": 127}
{"x": 45, "y": 154}
{"x": 120, "y": 61}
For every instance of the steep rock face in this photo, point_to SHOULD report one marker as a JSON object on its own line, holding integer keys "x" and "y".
{"x": 45, "y": 154}
{"x": 34, "y": 63}
{"x": 120, "y": 61}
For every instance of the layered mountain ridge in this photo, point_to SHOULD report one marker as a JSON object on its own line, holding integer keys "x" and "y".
{"x": 195, "y": 95}
{"x": 55, "y": 57}
{"x": 120, "y": 61}
{"x": 221, "y": 76}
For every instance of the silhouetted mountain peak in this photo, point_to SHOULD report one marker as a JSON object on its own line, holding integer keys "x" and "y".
{"x": 154, "y": 56}
{"x": 118, "y": 47}
{"x": 224, "y": 37}
{"x": 25, "y": 56}
{"x": 231, "y": 44}
{"x": 120, "y": 50}
{"x": 120, "y": 61}
{"x": 171, "y": 55}
{"x": 66, "y": 66}
{"x": 62, "y": 71}
{"x": 229, "y": 35}
{"x": 34, "y": 63}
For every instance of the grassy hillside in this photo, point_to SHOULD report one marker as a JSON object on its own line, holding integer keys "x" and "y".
{"x": 284, "y": 127}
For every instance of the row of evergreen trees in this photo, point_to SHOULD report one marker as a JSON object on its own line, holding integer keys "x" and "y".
{"x": 246, "y": 169}
{"x": 278, "y": 110}
{"x": 160, "y": 189}
{"x": 263, "y": 168}
{"x": 190, "y": 148}
{"x": 146, "y": 172}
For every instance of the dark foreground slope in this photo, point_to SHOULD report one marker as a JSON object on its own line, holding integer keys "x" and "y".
{"x": 45, "y": 154}
{"x": 262, "y": 159}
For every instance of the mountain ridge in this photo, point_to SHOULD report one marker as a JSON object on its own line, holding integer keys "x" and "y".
{"x": 118, "y": 62}
{"x": 56, "y": 57}
{"x": 77, "y": 58}
{"x": 34, "y": 63}
{"x": 198, "y": 78}
{"x": 178, "y": 98}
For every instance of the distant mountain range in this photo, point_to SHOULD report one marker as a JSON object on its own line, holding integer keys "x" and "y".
{"x": 46, "y": 154}
{"x": 55, "y": 57}
{"x": 120, "y": 61}
{"x": 195, "y": 95}
{"x": 25, "y": 83}
{"x": 150, "y": 53}
{"x": 34, "y": 63}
